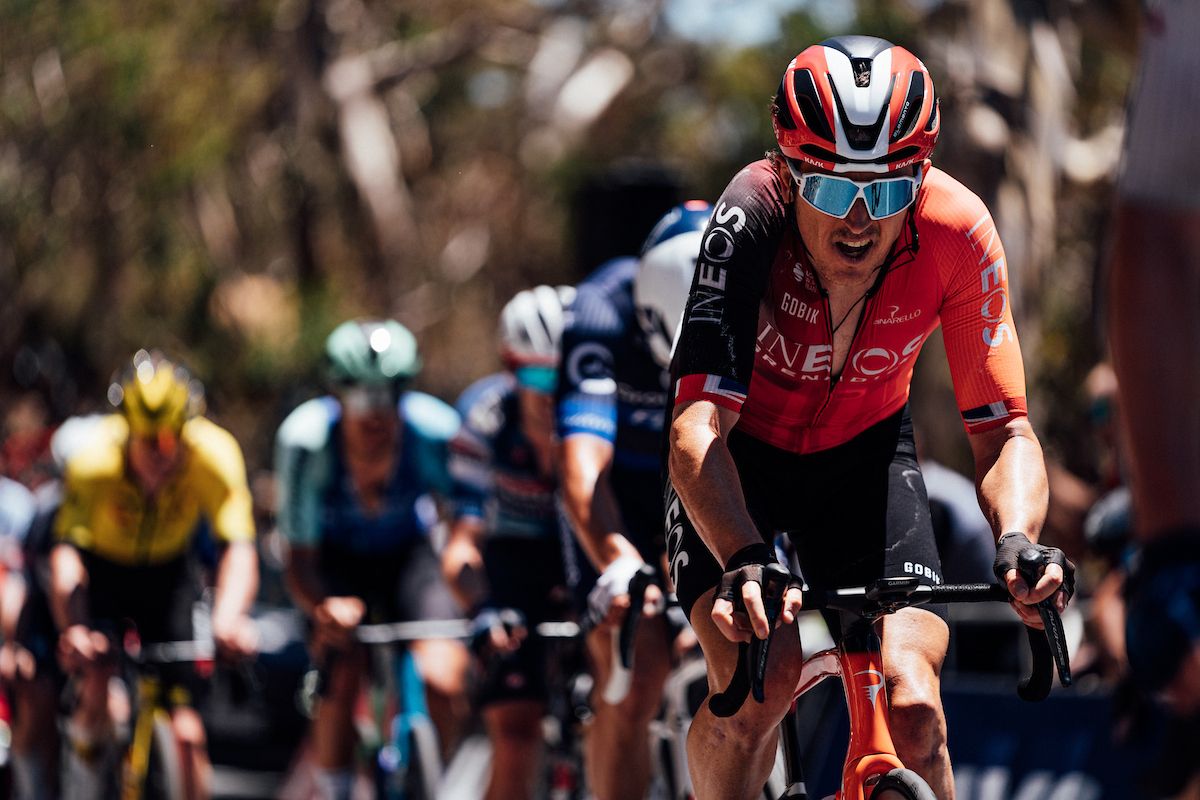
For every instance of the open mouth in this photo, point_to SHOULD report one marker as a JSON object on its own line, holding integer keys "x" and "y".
{"x": 853, "y": 249}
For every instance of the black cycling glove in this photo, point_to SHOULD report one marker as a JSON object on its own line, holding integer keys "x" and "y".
{"x": 1012, "y": 544}
{"x": 745, "y": 566}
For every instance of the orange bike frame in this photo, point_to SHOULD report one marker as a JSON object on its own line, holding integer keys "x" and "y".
{"x": 870, "y": 752}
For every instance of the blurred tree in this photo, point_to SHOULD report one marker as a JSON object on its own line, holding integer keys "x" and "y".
{"x": 231, "y": 178}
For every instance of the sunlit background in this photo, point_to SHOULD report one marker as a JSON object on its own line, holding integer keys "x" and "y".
{"x": 230, "y": 179}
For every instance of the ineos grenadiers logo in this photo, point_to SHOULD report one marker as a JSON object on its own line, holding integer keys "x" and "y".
{"x": 994, "y": 308}
{"x": 674, "y": 524}
{"x": 716, "y": 249}
{"x": 814, "y": 362}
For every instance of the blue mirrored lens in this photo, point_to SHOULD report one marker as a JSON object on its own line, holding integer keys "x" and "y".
{"x": 835, "y": 196}
{"x": 538, "y": 378}
{"x": 887, "y": 197}
{"x": 831, "y": 195}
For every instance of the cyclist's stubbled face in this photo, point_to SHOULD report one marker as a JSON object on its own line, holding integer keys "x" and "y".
{"x": 851, "y": 247}
{"x": 154, "y": 458}
{"x": 370, "y": 433}
{"x": 369, "y": 419}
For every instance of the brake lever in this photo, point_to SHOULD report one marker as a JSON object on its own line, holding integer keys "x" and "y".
{"x": 750, "y": 674}
{"x": 638, "y": 584}
{"x": 621, "y": 678}
{"x": 775, "y": 583}
{"x": 1048, "y": 649}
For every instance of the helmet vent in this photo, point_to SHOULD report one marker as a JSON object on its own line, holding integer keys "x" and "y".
{"x": 809, "y": 103}
{"x": 906, "y": 120}
{"x": 859, "y": 137}
{"x": 933, "y": 115}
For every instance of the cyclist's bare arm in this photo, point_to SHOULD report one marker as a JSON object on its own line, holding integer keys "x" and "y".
{"x": 590, "y": 503}
{"x": 237, "y": 586}
{"x": 12, "y": 600}
{"x": 1010, "y": 478}
{"x": 706, "y": 479}
{"x": 68, "y": 587}
{"x": 462, "y": 561}
{"x": 304, "y": 579}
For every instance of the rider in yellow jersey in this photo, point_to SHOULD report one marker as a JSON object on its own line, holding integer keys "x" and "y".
{"x": 133, "y": 498}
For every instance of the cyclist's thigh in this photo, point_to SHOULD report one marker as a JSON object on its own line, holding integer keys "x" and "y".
{"x": 693, "y": 569}
{"x": 914, "y": 643}
{"x": 368, "y": 575}
{"x": 721, "y": 658}
{"x": 421, "y": 591}
{"x": 863, "y": 512}
{"x": 525, "y": 574}
{"x": 36, "y": 632}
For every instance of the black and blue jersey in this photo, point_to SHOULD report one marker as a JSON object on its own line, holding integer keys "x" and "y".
{"x": 610, "y": 386}
{"x": 495, "y": 468}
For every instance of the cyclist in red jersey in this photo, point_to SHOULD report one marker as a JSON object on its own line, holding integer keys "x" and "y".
{"x": 825, "y": 268}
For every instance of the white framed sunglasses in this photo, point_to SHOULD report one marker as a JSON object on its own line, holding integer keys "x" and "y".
{"x": 835, "y": 195}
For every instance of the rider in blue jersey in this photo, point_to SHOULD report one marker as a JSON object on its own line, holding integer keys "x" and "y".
{"x": 358, "y": 474}
{"x": 506, "y": 550}
{"x": 612, "y": 397}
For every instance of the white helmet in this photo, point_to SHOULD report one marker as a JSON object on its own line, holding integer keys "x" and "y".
{"x": 531, "y": 325}
{"x": 664, "y": 277}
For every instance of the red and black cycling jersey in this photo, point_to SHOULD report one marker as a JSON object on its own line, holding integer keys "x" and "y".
{"x": 757, "y": 336}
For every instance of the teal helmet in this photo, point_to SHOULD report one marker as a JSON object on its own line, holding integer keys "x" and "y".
{"x": 371, "y": 352}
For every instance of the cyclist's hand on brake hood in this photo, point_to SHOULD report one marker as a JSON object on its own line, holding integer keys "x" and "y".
{"x": 1057, "y": 580}
{"x": 336, "y": 618}
{"x": 235, "y": 637}
{"x": 738, "y": 609}
{"x": 609, "y": 598}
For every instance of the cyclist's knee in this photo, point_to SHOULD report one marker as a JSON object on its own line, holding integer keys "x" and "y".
{"x": 651, "y": 666}
{"x": 515, "y": 722}
{"x": 188, "y": 727}
{"x": 755, "y": 722}
{"x": 918, "y": 722}
{"x": 443, "y": 666}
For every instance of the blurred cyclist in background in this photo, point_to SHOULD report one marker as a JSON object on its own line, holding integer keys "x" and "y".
{"x": 506, "y": 547}
{"x": 132, "y": 499}
{"x": 1154, "y": 332}
{"x": 358, "y": 471}
{"x": 612, "y": 397}
{"x": 19, "y": 673}
{"x": 28, "y": 666}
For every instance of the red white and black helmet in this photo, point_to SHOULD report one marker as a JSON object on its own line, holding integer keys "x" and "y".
{"x": 856, "y": 104}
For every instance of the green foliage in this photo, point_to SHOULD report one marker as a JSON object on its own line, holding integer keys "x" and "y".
{"x": 181, "y": 174}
